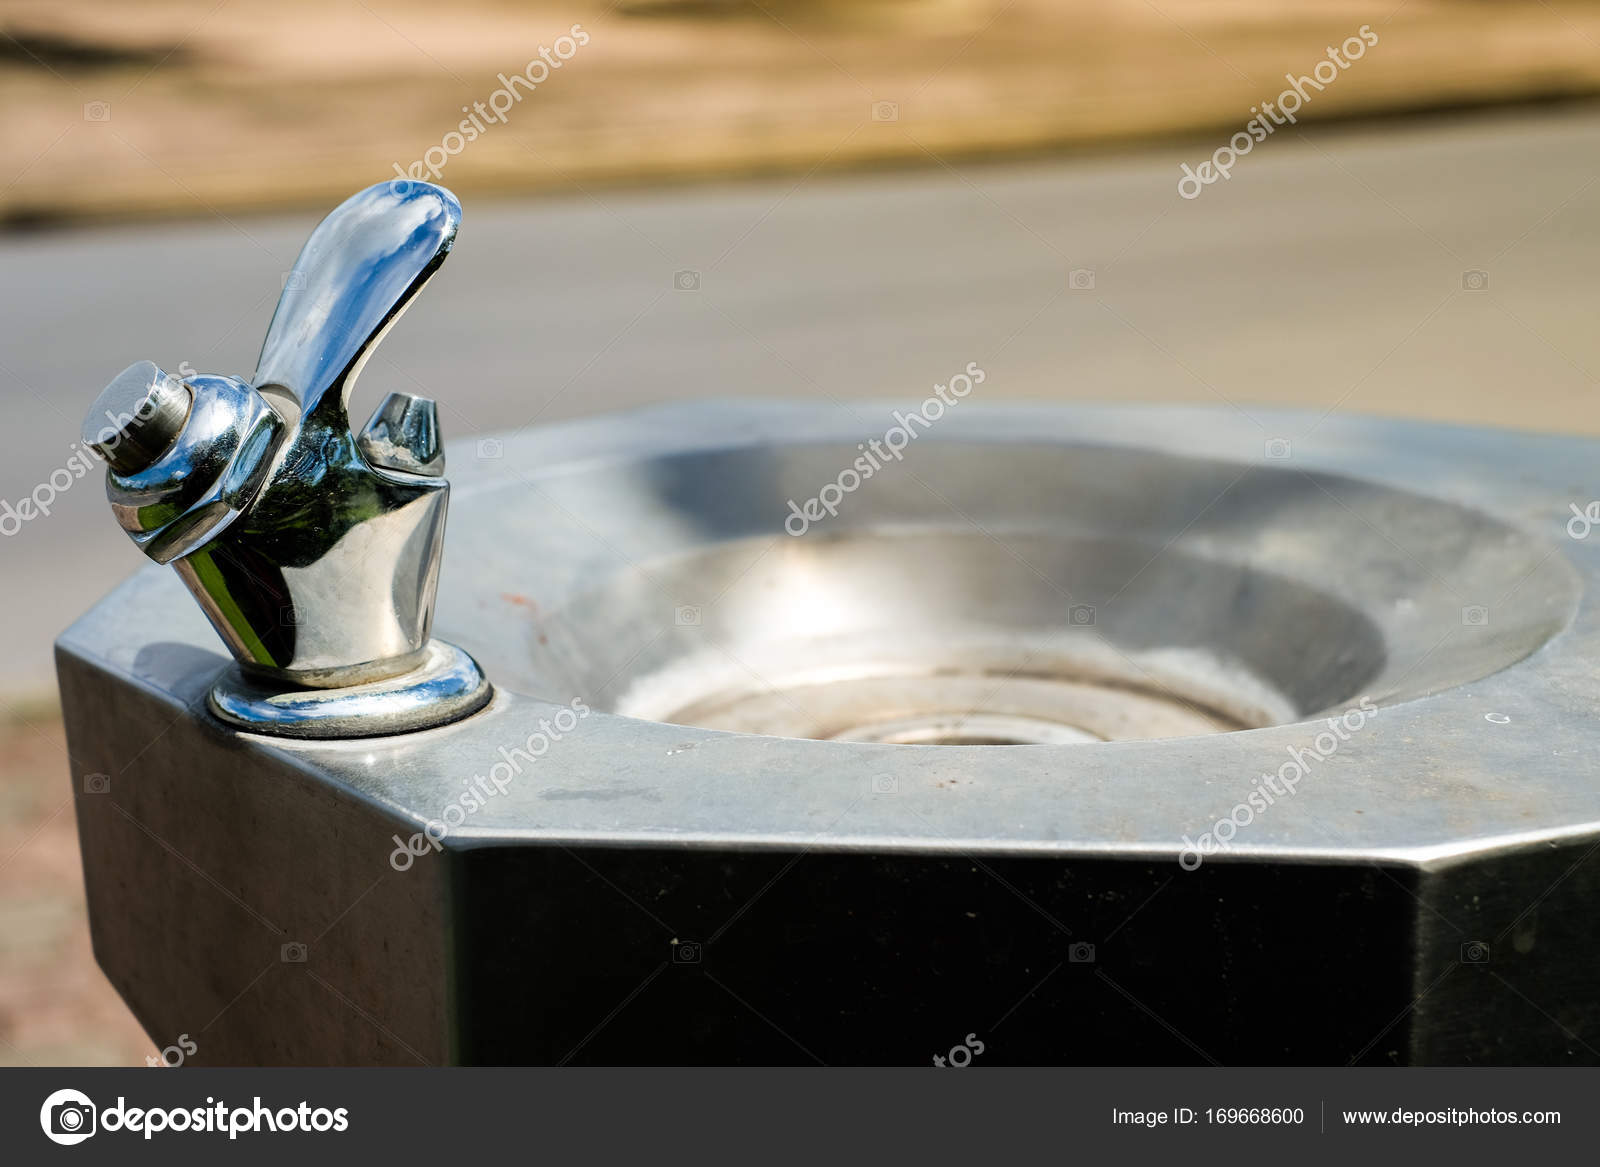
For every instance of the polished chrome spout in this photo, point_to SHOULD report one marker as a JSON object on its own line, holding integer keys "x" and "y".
{"x": 314, "y": 552}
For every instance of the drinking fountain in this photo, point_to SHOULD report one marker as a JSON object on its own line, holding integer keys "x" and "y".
{"x": 764, "y": 732}
{"x": 313, "y": 551}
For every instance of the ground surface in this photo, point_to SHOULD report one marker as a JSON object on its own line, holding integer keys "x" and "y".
{"x": 209, "y": 107}
{"x": 55, "y": 1006}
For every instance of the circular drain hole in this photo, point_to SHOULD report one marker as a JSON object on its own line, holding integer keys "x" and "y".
{"x": 964, "y": 709}
{"x": 967, "y": 729}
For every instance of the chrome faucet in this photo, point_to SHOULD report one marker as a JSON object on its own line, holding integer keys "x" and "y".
{"x": 313, "y": 551}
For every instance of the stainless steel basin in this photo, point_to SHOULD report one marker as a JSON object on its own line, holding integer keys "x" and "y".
{"x": 996, "y": 589}
{"x": 955, "y": 758}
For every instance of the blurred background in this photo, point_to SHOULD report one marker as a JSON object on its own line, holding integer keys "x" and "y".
{"x": 834, "y": 199}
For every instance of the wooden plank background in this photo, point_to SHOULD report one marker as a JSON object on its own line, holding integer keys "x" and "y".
{"x": 186, "y": 107}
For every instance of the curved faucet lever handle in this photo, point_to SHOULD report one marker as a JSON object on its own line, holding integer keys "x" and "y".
{"x": 355, "y": 276}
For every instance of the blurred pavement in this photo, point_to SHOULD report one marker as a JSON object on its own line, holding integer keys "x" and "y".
{"x": 1329, "y": 271}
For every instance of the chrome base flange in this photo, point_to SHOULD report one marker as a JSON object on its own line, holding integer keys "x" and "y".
{"x": 447, "y": 686}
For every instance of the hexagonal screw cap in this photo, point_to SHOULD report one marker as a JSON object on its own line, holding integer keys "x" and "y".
{"x": 137, "y": 417}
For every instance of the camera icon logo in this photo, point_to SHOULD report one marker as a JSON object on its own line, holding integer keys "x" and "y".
{"x": 293, "y": 952}
{"x": 1277, "y": 449}
{"x": 885, "y": 784}
{"x": 1475, "y": 952}
{"x": 1475, "y": 616}
{"x": 97, "y": 783}
{"x": 1081, "y": 279}
{"x": 886, "y": 111}
{"x": 97, "y": 111}
{"x": 687, "y": 616}
{"x": 686, "y": 280}
{"x": 1474, "y": 280}
{"x": 67, "y": 1117}
{"x": 686, "y": 951}
{"x": 1081, "y": 614}
{"x": 288, "y": 616}
{"x": 490, "y": 448}
{"x": 294, "y": 281}
{"x": 1081, "y": 953}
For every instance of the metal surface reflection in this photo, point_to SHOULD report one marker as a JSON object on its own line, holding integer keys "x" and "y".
{"x": 315, "y": 554}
